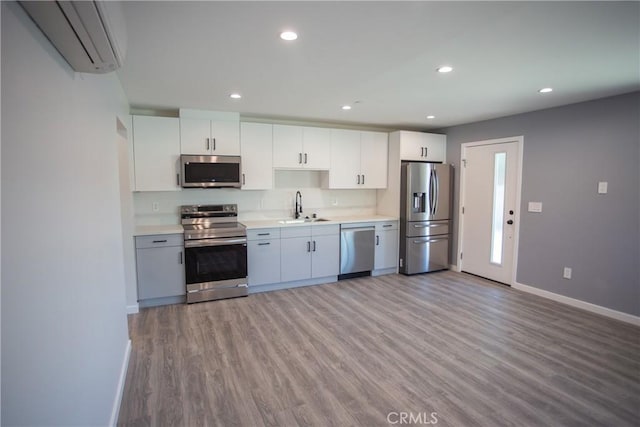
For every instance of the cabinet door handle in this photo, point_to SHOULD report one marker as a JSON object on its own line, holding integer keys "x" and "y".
{"x": 264, "y": 234}
{"x": 160, "y": 241}
{"x": 308, "y": 246}
{"x": 244, "y": 181}
{"x": 314, "y": 246}
{"x": 305, "y": 158}
{"x": 426, "y": 152}
{"x": 208, "y": 144}
{"x": 421, "y": 151}
{"x": 362, "y": 179}
{"x": 264, "y": 244}
{"x": 214, "y": 144}
{"x": 358, "y": 179}
{"x": 377, "y": 240}
{"x": 386, "y": 225}
{"x": 178, "y": 179}
{"x": 180, "y": 257}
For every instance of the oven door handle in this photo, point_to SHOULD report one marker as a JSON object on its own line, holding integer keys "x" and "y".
{"x": 214, "y": 242}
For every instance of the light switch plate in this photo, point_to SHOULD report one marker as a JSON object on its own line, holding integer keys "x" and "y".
{"x": 603, "y": 187}
{"x": 535, "y": 207}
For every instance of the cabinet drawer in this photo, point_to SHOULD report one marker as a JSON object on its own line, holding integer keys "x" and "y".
{"x": 159, "y": 240}
{"x": 263, "y": 233}
{"x": 386, "y": 225}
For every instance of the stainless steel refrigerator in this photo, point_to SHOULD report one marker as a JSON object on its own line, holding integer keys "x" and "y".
{"x": 425, "y": 216}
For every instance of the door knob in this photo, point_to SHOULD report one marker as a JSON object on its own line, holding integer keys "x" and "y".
{"x": 510, "y": 222}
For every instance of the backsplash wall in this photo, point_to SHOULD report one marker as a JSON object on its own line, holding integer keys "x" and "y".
{"x": 255, "y": 204}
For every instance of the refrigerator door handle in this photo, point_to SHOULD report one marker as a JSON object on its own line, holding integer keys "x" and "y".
{"x": 425, "y": 241}
{"x": 436, "y": 191}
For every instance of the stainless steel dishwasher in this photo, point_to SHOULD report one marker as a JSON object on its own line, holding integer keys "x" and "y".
{"x": 357, "y": 248}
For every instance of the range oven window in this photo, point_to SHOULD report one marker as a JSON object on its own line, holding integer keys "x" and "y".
{"x": 214, "y": 263}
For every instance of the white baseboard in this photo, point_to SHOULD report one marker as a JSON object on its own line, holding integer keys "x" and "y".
{"x": 133, "y": 309}
{"x": 454, "y": 267}
{"x": 115, "y": 411}
{"x": 604, "y": 311}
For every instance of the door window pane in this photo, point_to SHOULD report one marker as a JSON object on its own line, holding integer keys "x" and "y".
{"x": 499, "y": 173}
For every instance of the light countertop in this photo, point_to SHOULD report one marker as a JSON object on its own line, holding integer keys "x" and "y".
{"x": 274, "y": 223}
{"x": 148, "y": 230}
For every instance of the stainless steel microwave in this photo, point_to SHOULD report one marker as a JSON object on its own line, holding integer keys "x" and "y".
{"x": 210, "y": 171}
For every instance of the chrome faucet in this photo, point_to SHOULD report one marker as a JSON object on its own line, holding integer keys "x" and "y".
{"x": 298, "y": 205}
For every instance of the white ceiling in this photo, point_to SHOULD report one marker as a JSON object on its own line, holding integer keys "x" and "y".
{"x": 383, "y": 54}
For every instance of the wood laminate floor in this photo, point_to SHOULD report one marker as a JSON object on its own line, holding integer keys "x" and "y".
{"x": 361, "y": 352}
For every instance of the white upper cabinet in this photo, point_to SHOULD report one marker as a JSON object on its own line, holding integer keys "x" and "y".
{"x": 358, "y": 159}
{"x": 209, "y": 132}
{"x": 374, "y": 148}
{"x": 256, "y": 147}
{"x": 299, "y": 147}
{"x": 421, "y": 146}
{"x": 156, "y": 146}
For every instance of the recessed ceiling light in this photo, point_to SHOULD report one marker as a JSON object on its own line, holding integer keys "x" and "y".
{"x": 546, "y": 90}
{"x": 444, "y": 69}
{"x": 346, "y": 107}
{"x": 431, "y": 117}
{"x": 288, "y": 35}
{"x": 235, "y": 96}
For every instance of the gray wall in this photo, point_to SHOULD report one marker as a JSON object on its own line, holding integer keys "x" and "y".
{"x": 567, "y": 150}
{"x": 64, "y": 327}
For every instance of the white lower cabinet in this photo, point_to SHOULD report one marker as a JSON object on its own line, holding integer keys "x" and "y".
{"x": 159, "y": 266}
{"x": 386, "y": 249}
{"x": 263, "y": 256}
{"x": 295, "y": 258}
{"x": 325, "y": 251}
{"x": 310, "y": 252}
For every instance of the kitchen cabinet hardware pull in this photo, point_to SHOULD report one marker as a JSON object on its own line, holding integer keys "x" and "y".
{"x": 358, "y": 179}
{"x": 362, "y": 179}
{"x": 314, "y": 246}
{"x": 264, "y": 244}
{"x": 305, "y": 158}
{"x": 300, "y": 158}
{"x": 421, "y": 151}
{"x": 377, "y": 240}
{"x": 387, "y": 225}
{"x": 264, "y": 234}
{"x": 214, "y": 144}
{"x": 426, "y": 152}
{"x": 178, "y": 179}
{"x": 244, "y": 181}
{"x": 308, "y": 246}
{"x": 160, "y": 241}
{"x": 180, "y": 257}
{"x": 208, "y": 144}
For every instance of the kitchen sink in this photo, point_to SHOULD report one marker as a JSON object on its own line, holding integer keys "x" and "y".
{"x": 302, "y": 220}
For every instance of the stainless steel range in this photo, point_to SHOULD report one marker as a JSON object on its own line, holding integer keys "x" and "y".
{"x": 215, "y": 252}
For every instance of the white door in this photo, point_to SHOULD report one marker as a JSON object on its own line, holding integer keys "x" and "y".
{"x": 373, "y": 159}
{"x": 490, "y": 186}
{"x": 316, "y": 143}
{"x": 256, "y": 150}
{"x": 225, "y": 138}
{"x": 195, "y": 136}
{"x": 287, "y": 146}
{"x": 345, "y": 159}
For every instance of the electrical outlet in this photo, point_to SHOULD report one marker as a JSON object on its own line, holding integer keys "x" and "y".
{"x": 334, "y": 202}
{"x": 155, "y": 206}
{"x": 567, "y": 273}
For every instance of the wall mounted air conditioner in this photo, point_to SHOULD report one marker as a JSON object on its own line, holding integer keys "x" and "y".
{"x": 90, "y": 35}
